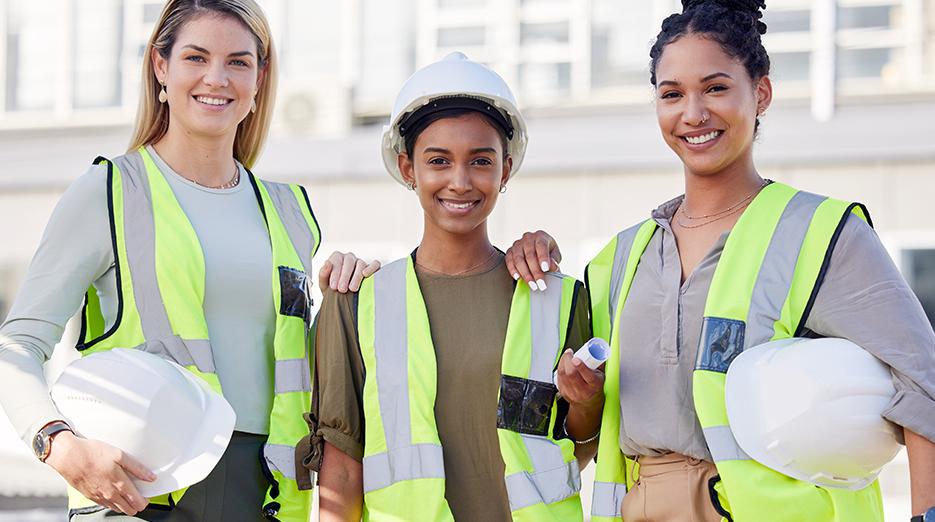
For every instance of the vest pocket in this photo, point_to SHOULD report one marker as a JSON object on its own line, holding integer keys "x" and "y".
{"x": 525, "y": 405}
{"x": 295, "y": 300}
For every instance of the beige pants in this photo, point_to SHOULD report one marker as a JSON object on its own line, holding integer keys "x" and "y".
{"x": 671, "y": 488}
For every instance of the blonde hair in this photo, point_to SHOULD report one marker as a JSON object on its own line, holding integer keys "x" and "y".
{"x": 152, "y": 117}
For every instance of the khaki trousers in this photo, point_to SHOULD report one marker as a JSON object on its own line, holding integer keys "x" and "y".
{"x": 671, "y": 488}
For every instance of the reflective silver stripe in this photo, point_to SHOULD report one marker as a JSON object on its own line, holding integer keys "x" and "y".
{"x": 544, "y": 313}
{"x": 281, "y": 458}
{"x": 391, "y": 350}
{"x": 297, "y": 228}
{"x": 140, "y": 237}
{"x": 723, "y": 445}
{"x": 553, "y": 478}
{"x": 778, "y": 268}
{"x": 293, "y": 375}
{"x": 549, "y": 486}
{"x": 607, "y": 499}
{"x": 417, "y": 461}
{"x": 189, "y": 352}
{"x": 621, "y": 255}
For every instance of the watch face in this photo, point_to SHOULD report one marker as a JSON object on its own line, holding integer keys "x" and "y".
{"x": 39, "y": 445}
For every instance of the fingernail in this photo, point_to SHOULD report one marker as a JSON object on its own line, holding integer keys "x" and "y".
{"x": 541, "y": 284}
{"x": 545, "y": 266}
{"x": 516, "y": 277}
{"x": 532, "y": 286}
{"x": 576, "y": 361}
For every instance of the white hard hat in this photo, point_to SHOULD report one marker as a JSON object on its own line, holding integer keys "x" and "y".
{"x": 153, "y": 409}
{"x": 812, "y": 409}
{"x": 453, "y": 82}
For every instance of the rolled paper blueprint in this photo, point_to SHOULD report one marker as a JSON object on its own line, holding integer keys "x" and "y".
{"x": 594, "y": 353}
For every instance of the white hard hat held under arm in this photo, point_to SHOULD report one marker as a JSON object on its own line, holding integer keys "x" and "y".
{"x": 454, "y": 82}
{"x": 153, "y": 409}
{"x": 812, "y": 409}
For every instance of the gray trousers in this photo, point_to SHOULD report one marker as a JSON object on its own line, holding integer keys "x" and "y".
{"x": 233, "y": 492}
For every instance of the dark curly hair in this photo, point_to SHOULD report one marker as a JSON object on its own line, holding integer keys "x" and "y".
{"x": 734, "y": 24}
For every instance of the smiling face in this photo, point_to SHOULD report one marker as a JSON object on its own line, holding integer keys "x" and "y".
{"x": 457, "y": 166}
{"x": 707, "y": 104}
{"x": 211, "y": 76}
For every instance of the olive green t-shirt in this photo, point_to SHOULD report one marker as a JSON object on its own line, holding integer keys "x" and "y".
{"x": 468, "y": 317}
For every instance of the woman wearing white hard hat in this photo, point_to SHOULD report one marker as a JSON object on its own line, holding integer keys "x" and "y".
{"x": 698, "y": 288}
{"x": 178, "y": 250}
{"x": 435, "y": 381}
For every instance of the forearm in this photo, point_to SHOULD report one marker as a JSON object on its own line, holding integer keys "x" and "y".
{"x": 921, "y": 471}
{"x": 583, "y": 423}
{"x": 340, "y": 487}
{"x": 24, "y": 394}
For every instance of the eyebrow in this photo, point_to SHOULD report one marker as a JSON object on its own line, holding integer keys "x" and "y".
{"x": 707, "y": 78}
{"x": 490, "y": 150}
{"x": 205, "y": 51}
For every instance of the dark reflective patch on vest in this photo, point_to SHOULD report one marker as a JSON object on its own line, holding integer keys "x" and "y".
{"x": 295, "y": 300}
{"x": 721, "y": 342}
{"x": 525, "y": 405}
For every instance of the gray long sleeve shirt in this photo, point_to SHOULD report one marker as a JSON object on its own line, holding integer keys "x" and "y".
{"x": 75, "y": 252}
{"x": 864, "y": 298}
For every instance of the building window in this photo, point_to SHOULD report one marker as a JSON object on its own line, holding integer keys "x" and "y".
{"x": 919, "y": 270}
{"x": 621, "y": 35}
{"x": 34, "y": 44}
{"x": 864, "y": 63}
{"x": 867, "y": 17}
{"x": 462, "y": 36}
{"x": 544, "y": 78}
{"x": 98, "y": 72}
{"x": 543, "y": 33}
{"x": 788, "y": 21}
{"x": 790, "y": 67}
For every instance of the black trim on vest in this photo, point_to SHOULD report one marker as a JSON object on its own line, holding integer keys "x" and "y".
{"x": 83, "y": 344}
{"x": 587, "y": 284}
{"x": 259, "y": 198}
{"x": 715, "y": 500}
{"x": 308, "y": 205}
{"x": 271, "y": 509}
{"x": 571, "y": 317}
{"x": 800, "y": 328}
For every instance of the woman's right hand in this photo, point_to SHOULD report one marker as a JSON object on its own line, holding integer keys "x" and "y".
{"x": 342, "y": 272}
{"x": 100, "y": 472}
{"x": 531, "y": 256}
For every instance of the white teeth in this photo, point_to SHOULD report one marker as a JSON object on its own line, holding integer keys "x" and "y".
{"x": 704, "y": 138}
{"x": 459, "y": 206}
{"x": 211, "y": 101}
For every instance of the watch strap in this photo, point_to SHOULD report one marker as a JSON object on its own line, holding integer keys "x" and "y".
{"x": 46, "y": 434}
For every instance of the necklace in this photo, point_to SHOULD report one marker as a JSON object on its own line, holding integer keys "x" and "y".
{"x": 231, "y": 183}
{"x": 682, "y": 214}
{"x": 486, "y": 259}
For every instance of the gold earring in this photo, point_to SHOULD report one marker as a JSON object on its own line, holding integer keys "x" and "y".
{"x": 411, "y": 185}
{"x": 163, "y": 95}
{"x": 253, "y": 106}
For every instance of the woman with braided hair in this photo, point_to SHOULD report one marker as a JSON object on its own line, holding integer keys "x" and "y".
{"x": 667, "y": 451}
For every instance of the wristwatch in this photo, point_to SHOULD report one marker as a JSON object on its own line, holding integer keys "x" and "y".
{"x": 928, "y": 516}
{"x": 42, "y": 443}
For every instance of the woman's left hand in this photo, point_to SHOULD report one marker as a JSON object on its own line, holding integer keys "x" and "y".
{"x": 343, "y": 272}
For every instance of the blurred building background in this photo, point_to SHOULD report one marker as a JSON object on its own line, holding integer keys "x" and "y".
{"x": 853, "y": 116}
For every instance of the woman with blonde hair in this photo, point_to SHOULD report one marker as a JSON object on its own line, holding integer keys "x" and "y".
{"x": 173, "y": 247}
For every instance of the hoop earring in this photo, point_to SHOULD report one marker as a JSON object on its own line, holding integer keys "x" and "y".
{"x": 163, "y": 95}
{"x": 503, "y": 188}
{"x": 411, "y": 185}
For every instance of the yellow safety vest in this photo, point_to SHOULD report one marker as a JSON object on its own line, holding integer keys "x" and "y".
{"x": 404, "y": 475}
{"x": 763, "y": 288}
{"x": 160, "y": 275}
